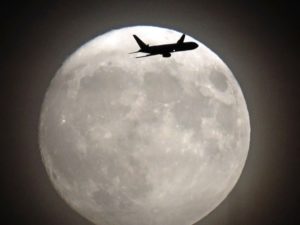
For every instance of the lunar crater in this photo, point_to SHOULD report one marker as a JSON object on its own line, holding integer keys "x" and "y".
{"x": 219, "y": 80}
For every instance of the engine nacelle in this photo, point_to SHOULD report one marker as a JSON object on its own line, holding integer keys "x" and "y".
{"x": 166, "y": 54}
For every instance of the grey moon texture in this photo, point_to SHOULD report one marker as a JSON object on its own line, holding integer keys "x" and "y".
{"x": 150, "y": 141}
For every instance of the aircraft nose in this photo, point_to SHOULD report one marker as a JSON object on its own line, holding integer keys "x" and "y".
{"x": 196, "y": 45}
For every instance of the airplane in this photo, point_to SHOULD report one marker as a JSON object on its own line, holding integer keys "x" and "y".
{"x": 164, "y": 50}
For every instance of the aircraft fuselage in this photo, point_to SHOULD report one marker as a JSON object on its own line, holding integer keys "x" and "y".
{"x": 169, "y": 48}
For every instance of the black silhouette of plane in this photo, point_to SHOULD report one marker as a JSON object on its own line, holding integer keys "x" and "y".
{"x": 164, "y": 50}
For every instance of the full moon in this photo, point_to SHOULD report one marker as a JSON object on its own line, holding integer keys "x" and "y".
{"x": 149, "y": 141}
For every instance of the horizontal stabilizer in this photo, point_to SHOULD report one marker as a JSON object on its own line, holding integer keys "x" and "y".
{"x": 143, "y": 56}
{"x": 134, "y": 52}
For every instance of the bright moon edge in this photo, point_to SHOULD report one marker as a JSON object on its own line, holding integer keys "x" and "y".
{"x": 165, "y": 190}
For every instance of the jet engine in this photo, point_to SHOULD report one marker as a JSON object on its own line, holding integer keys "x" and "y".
{"x": 167, "y": 54}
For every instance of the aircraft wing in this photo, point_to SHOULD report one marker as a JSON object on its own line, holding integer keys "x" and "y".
{"x": 181, "y": 40}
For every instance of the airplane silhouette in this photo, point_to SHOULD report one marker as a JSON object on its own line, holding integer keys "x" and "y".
{"x": 164, "y": 50}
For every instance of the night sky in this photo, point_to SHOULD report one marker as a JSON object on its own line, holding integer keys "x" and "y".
{"x": 257, "y": 40}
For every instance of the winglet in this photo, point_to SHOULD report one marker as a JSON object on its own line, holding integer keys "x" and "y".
{"x": 181, "y": 40}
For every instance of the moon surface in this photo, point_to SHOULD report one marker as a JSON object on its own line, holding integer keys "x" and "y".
{"x": 151, "y": 141}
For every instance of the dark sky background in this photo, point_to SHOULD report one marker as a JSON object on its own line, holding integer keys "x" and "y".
{"x": 257, "y": 40}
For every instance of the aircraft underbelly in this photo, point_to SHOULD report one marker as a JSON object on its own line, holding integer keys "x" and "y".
{"x": 161, "y": 50}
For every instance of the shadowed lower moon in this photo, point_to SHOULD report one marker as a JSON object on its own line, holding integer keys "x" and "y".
{"x": 149, "y": 141}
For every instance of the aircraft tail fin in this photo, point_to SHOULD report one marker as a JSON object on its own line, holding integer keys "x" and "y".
{"x": 140, "y": 42}
{"x": 181, "y": 40}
